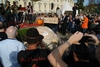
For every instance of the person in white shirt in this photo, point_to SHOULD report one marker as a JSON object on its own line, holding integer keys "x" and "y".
{"x": 9, "y": 48}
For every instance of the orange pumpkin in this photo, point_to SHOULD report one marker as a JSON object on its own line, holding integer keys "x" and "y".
{"x": 40, "y": 22}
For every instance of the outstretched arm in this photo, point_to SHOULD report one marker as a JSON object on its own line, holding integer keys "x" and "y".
{"x": 55, "y": 57}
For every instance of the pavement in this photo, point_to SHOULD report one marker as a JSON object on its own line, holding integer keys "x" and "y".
{"x": 63, "y": 38}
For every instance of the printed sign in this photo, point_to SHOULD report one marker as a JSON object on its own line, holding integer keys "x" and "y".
{"x": 51, "y": 20}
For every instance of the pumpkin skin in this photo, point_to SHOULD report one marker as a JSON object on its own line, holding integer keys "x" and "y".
{"x": 40, "y": 22}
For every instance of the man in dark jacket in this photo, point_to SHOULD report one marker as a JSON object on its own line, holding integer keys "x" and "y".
{"x": 64, "y": 24}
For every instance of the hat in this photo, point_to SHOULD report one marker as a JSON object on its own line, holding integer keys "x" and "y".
{"x": 33, "y": 34}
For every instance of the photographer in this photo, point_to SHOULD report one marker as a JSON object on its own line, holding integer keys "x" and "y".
{"x": 80, "y": 52}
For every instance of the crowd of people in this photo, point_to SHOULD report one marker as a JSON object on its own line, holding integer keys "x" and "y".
{"x": 82, "y": 22}
{"x": 82, "y": 48}
{"x": 14, "y": 14}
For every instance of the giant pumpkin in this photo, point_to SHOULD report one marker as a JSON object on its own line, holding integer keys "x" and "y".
{"x": 40, "y": 22}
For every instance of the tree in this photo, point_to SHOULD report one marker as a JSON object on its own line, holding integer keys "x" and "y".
{"x": 98, "y": 7}
{"x": 93, "y": 6}
{"x": 80, "y": 4}
{"x": 91, "y": 2}
{"x": 98, "y": 1}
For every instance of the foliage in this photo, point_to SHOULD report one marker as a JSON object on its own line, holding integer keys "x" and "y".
{"x": 22, "y": 32}
{"x": 97, "y": 1}
{"x": 93, "y": 5}
{"x": 80, "y": 4}
{"x": 93, "y": 8}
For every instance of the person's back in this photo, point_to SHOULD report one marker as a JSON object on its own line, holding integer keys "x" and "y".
{"x": 8, "y": 52}
{"x": 84, "y": 54}
{"x": 3, "y": 36}
{"x": 31, "y": 58}
{"x": 9, "y": 49}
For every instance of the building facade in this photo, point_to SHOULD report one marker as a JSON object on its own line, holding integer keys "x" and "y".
{"x": 43, "y": 6}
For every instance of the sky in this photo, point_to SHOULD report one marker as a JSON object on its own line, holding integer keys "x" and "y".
{"x": 85, "y": 2}
{"x": 0, "y": 1}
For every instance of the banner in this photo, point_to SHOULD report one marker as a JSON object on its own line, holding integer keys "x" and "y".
{"x": 51, "y": 20}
